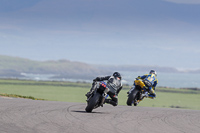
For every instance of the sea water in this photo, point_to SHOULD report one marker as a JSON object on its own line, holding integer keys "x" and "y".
{"x": 174, "y": 80}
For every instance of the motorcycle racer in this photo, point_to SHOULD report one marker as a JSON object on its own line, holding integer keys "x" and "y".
{"x": 114, "y": 84}
{"x": 150, "y": 80}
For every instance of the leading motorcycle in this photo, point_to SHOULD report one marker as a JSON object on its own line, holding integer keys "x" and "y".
{"x": 137, "y": 92}
{"x": 97, "y": 97}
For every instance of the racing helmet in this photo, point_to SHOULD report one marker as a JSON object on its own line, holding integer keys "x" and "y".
{"x": 153, "y": 72}
{"x": 116, "y": 74}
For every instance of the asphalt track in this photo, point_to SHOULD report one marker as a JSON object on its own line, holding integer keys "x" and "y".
{"x": 31, "y": 116}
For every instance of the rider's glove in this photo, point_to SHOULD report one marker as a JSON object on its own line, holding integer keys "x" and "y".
{"x": 96, "y": 79}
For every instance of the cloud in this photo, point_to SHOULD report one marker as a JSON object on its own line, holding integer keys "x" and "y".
{"x": 185, "y": 1}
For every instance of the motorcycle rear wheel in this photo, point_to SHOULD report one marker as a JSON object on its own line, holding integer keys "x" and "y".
{"x": 92, "y": 102}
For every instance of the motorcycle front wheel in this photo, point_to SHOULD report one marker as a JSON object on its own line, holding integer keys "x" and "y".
{"x": 92, "y": 102}
{"x": 131, "y": 97}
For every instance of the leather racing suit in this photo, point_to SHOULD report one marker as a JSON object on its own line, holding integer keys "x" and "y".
{"x": 114, "y": 84}
{"x": 150, "y": 80}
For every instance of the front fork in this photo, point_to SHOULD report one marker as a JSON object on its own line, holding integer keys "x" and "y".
{"x": 132, "y": 88}
{"x": 104, "y": 95}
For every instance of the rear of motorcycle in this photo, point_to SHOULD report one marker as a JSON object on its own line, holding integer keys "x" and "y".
{"x": 135, "y": 93}
{"x": 97, "y": 98}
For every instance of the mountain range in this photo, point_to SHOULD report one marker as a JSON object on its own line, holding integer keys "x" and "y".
{"x": 14, "y": 67}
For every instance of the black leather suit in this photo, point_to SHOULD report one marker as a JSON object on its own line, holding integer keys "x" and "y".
{"x": 115, "y": 86}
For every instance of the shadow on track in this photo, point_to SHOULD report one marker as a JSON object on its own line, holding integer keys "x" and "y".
{"x": 78, "y": 111}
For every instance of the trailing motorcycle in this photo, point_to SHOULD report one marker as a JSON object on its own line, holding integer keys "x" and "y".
{"x": 97, "y": 97}
{"x": 137, "y": 92}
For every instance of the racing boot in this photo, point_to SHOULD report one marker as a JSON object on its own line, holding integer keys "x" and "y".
{"x": 145, "y": 94}
{"x": 110, "y": 102}
{"x": 91, "y": 91}
{"x": 152, "y": 94}
{"x": 88, "y": 94}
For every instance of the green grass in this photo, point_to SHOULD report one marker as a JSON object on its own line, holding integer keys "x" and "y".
{"x": 174, "y": 100}
{"x": 75, "y": 92}
{"x": 52, "y": 91}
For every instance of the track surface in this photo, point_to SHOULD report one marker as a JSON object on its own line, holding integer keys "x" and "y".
{"x": 30, "y": 116}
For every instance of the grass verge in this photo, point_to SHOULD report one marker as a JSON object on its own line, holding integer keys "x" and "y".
{"x": 75, "y": 92}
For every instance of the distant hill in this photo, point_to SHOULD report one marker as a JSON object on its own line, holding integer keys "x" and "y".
{"x": 13, "y": 67}
{"x": 139, "y": 68}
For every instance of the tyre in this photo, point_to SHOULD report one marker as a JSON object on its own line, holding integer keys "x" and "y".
{"x": 93, "y": 101}
{"x": 131, "y": 97}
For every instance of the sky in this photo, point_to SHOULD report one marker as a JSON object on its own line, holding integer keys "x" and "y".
{"x": 109, "y": 32}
